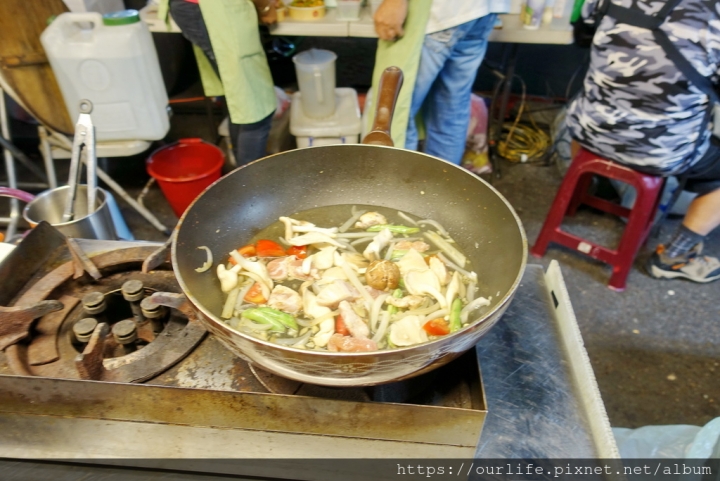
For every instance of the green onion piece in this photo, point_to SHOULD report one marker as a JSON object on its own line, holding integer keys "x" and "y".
{"x": 398, "y": 229}
{"x": 455, "y": 322}
{"x": 397, "y": 254}
{"x": 267, "y": 315}
{"x": 397, "y": 294}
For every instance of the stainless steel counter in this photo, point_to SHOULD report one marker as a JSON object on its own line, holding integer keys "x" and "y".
{"x": 542, "y": 402}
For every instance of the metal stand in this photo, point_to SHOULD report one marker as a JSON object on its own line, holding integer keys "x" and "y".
{"x": 48, "y": 138}
{"x": 14, "y": 217}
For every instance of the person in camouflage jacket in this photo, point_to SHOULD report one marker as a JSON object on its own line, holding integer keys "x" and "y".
{"x": 637, "y": 108}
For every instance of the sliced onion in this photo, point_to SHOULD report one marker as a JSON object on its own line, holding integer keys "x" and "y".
{"x": 208, "y": 263}
{"x": 417, "y": 312}
{"x": 435, "y": 315}
{"x": 435, "y": 224}
{"x": 357, "y": 242}
{"x": 470, "y": 292}
{"x": 445, "y": 246}
{"x": 351, "y": 221}
{"x": 384, "y": 321}
{"x": 240, "y": 302}
{"x": 254, "y": 325}
{"x": 470, "y": 275}
{"x": 317, "y": 320}
{"x": 229, "y": 306}
{"x": 390, "y": 249}
{"x": 259, "y": 280}
{"x": 479, "y": 302}
{"x": 375, "y": 311}
{"x": 407, "y": 218}
{"x": 356, "y": 235}
{"x": 290, "y": 341}
{"x": 353, "y": 278}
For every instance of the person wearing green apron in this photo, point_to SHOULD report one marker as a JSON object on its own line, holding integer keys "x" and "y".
{"x": 439, "y": 45}
{"x": 232, "y": 62}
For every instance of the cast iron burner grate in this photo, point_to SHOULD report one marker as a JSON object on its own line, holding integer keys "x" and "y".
{"x": 96, "y": 334}
{"x": 172, "y": 356}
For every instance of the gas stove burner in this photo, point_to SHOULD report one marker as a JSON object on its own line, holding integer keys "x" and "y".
{"x": 109, "y": 327}
{"x": 419, "y": 389}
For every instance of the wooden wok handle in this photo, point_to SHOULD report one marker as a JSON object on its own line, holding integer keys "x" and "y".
{"x": 390, "y": 83}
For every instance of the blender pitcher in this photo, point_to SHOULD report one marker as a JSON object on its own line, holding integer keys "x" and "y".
{"x": 315, "y": 70}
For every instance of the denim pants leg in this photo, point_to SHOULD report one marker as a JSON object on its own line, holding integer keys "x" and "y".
{"x": 449, "y": 63}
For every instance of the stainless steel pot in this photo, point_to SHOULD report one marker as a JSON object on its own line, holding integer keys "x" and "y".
{"x": 232, "y": 210}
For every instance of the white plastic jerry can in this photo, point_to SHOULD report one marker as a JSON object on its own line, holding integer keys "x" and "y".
{"x": 110, "y": 60}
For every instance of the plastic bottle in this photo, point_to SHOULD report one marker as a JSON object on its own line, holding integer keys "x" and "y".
{"x": 562, "y": 11}
{"x": 577, "y": 10}
{"x": 110, "y": 60}
{"x": 533, "y": 14}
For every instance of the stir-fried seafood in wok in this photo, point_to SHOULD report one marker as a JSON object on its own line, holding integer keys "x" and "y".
{"x": 366, "y": 285}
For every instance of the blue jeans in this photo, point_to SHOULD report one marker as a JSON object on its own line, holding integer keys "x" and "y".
{"x": 449, "y": 63}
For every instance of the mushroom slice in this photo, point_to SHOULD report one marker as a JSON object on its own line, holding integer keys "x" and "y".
{"x": 424, "y": 282}
{"x": 411, "y": 261}
{"x": 382, "y": 275}
{"x": 438, "y": 267}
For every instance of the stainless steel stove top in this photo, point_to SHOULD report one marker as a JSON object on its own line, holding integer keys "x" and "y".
{"x": 176, "y": 384}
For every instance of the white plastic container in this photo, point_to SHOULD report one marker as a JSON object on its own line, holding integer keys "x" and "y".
{"x": 348, "y": 10}
{"x": 343, "y": 127}
{"x": 111, "y": 61}
{"x": 562, "y": 10}
{"x": 315, "y": 70}
{"x": 532, "y": 14}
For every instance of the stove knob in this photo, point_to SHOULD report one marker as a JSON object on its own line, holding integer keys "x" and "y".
{"x": 94, "y": 303}
{"x": 125, "y": 333}
{"x": 84, "y": 328}
{"x": 154, "y": 312}
{"x": 133, "y": 291}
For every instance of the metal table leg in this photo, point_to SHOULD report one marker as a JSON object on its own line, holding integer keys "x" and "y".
{"x": 14, "y": 217}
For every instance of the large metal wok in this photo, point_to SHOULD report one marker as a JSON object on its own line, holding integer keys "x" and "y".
{"x": 232, "y": 210}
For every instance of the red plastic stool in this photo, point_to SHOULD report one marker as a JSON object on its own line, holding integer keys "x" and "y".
{"x": 574, "y": 191}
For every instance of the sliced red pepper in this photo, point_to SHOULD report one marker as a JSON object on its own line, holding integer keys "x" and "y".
{"x": 245, "y": 251}
{"x": 298, "y": 251}
{"x": 268, "y": 248}
{"x": 437, "y": 327}
{"x": 340, "y": 327}
{"x": 255, "y": 294}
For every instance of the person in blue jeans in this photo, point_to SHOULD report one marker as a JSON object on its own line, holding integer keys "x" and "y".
{"x": 455, "y": 42}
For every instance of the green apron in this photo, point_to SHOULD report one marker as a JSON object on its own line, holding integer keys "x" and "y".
{"x": 246, "y": 80}
{"x": 405, "y": 54}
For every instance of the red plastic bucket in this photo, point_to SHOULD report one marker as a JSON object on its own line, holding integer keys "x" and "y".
{"x": 185, "y": 169}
